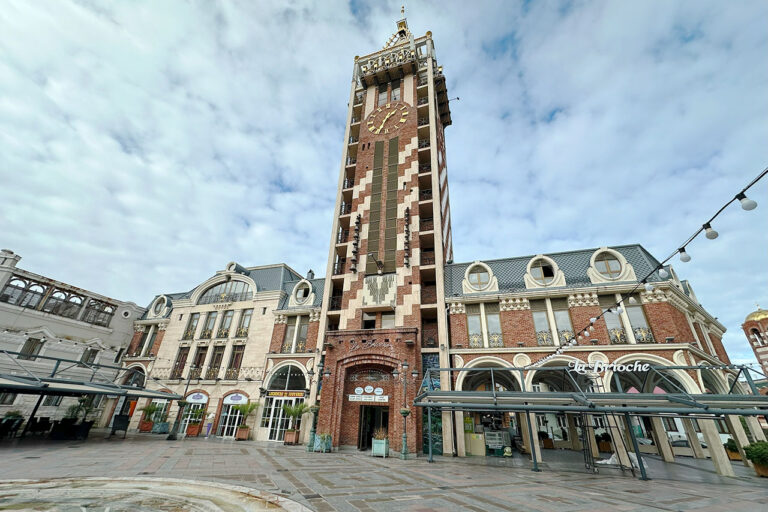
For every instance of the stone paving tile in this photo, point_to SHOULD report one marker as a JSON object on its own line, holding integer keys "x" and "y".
{"x": 349, "y": 481}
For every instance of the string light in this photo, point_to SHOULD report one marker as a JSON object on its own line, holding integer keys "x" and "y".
{"x": 746, "y": 204}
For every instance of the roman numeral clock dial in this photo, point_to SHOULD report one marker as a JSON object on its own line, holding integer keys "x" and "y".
{"x": 388, "y": 118}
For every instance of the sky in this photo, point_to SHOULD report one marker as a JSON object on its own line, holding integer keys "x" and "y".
{"x": 144, "y": 145}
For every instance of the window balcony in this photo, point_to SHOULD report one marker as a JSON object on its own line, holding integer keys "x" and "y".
{"x": 353, "y": 139}
{"x": 544, "y": 338}
{"x": 428, "y": 294}
{"x": 617, "y": 336}
{"x": 476, "y": 340}
{"x": 425, "y": 195}
{"x": 345, "y": 209}
{"x": 427, "y": 224}
{"x": 351, "y": 161}
{"x": 643, "y": 335}
{"x": 354, "y": 120}
{"x": 188, "y": 334}
{"x": 428, "y": 257}
{"x": 242, "y": 332}
{"x": 343, "y": 236}
{"x": 195, "y": 373}
{"x": 176, "y": 373}
{"x": 335, "y": 303}
{"x": 212, "y": 373}
{"x": 232, "y": 373}
{"x": 348, "y": 183}
{"x": 422, "y": 101}
{"x": 422, "y": 81}
{"x": 206, "y": 334}
{"x": 231, "y": 297}
{"x": 423, "y": 143}
{"x": 223, "y": 332}
{"x": 495, "y": 340}
{"x": 565, "y": 335}
{"x": 425, "y": 167}
{"x": 340, "y": 266}
{"x": 423, "y": 121}
{"x": 358, "y": 99}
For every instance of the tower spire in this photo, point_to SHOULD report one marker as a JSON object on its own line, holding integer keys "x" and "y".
{"x": 402, "y": 34}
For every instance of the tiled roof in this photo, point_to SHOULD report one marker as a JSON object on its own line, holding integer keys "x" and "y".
{"x": 318, "y": 285}
{"x": 574, "y": 264}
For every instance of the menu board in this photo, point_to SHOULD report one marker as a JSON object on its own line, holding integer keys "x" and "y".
{"x": 494, "y": 439}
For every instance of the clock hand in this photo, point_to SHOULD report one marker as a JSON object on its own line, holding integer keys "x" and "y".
{"x": 385, "y": 120}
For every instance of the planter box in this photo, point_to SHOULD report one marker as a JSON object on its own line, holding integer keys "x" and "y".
{"x": 321, "y": 445}
{"x": 548, "y": 443}
{"x": 291, "y": 437}
{"x": 761, "y": 470}
{"x": 146, "y": 426}
{"x": 242, "y": 433}
{"x": 733, "y": 455}
{"x": 380, "y": 447}
{"x": 194, "y": 429}
{"x": 605, "y": 446}
{"x": 160, "y": 427}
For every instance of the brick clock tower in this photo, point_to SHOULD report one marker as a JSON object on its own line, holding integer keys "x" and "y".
{"x": 384, "y": 315}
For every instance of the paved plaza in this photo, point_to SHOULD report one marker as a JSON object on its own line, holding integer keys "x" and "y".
{"x": 351, "y": 481}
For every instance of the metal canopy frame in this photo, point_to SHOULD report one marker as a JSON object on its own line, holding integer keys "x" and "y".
{"x": 587, "y": 401}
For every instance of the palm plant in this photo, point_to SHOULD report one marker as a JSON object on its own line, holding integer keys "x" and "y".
{"x": 245, "y": 410}
{"x": 295, "y": 411}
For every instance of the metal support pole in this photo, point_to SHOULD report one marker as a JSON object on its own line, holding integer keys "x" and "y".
{"x": 404, "y": 450}
{"x": 532, "y": 440}
{"x": 429, "y": 434}
{"x": 751, "y": 384}
{"x": 29, "y": 421}
{"x": 643, "y": 475}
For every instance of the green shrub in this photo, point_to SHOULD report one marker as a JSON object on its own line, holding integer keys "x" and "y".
{"x": 13, "y": 414}
{"x": 731, "y": 446}
{"x": 757, "y": 452}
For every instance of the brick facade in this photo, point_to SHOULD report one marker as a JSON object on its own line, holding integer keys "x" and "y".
{"x": 667, "y": 321}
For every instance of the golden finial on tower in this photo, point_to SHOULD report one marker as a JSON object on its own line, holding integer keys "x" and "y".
{"x": 402, "y": 10}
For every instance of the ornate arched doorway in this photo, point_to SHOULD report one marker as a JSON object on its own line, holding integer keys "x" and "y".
{"x": 287, "y": 386}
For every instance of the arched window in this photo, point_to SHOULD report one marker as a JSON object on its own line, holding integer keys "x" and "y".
{"x": 608, "y": 265}
{"x": 228, "y": 291}
{"x": 542, "y": 271}
{"x": 63, "y": 303}
{"x": 13, "y": 291}
{"x": 98, "y": 313}
{"x": 756, "y": 340}
{"x": 288, "y": 378}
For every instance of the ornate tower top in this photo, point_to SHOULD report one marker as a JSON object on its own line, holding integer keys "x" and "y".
{"x": 403, "y": 34}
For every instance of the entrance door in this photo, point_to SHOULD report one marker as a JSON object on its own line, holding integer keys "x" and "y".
{"x": 277, "y": 421}
{"x": 230, "y": 420}
{"x": 371, "y": 418}
{"x": 188, "y": 412}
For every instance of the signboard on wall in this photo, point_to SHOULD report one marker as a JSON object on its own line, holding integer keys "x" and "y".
{"x": 197, "y": 398}
{"x": 235, "y": 398}
{"x": 286, "y": 394}
{"x": 369, "y": 398}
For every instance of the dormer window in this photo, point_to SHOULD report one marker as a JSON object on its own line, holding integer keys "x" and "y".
{"x": 542, "y": 272}
{"x": 159, "y": 305}
{"x": 302, "y": 293}
{"x": 608, "y": 265}
{"x": 478, "y": 277}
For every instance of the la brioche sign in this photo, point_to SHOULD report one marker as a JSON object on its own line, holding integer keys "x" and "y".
{"x": 601, "y": 367}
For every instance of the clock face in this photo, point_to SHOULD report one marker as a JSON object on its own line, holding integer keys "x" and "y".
{"x": 387, "y": 118}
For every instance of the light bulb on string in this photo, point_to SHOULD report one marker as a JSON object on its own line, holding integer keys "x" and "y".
{"x": 632, "y": 300}
{"x": 591, "y": 328}
{"x": 592, "y": 320}
{"x": 663, "y": 274}
{"x": 710, "y": 233}
{"x": 619, "y": 310}
{"x": 746, "y": 203}
{"x": 684, "y": 256}
{"x": 648, "y": 287}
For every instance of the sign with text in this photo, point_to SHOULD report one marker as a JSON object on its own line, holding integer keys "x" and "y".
{"x": 286, "y": 394}
{"x": 600, "y": 367}
{"x": 368, "y": 398}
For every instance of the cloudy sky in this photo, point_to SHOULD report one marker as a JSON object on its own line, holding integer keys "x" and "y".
{"x": 143, "y": 145}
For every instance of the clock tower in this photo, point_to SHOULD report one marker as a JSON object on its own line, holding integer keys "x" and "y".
{"x": 383, "y": 317}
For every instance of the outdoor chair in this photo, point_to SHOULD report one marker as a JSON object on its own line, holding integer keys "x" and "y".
{"x": 9, "y": 427}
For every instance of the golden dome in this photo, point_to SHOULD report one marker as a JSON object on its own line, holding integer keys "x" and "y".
{"x": 756, "y": 316}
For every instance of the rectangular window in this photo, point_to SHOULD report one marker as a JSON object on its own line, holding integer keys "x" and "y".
{"x": 382, "y": 98}
{"x": 89, "y": 356}
{"x": 474, "y": 326}
{"x": 493, "y": 325}
{"x": 189, "y": 332}
{"x": 216, "y": 360}
{"x": 615, "y": 330}
{"x": 51, "y": 401}
{"x": 210, "y": 321}
{"x": 7, "y": 398}
{"x": 396, "y": 90}
{"x": 148, "y": 348}
{"x": 640, "y": 329}
{"x": 226, "y": 323}
{"x": 290, "y": 333}
{"x": 142, "y": 342}
{"x": 387, "y": 320}
{"x": 669, "y": 424}
{"x": 564, "y": 326}
{"x": 301, "y": 335}
{"x": 181, "y": 362}
{"x": 245, "y": 323}
{"x": 236, "y": 359}
{"x": 541, "y": 325}
{"x": 369, "y": 321}
{"x": 197, "y": 364}
{"x": 31, "y": 349}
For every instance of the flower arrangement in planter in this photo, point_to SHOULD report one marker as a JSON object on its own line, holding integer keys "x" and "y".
{"x": 405, "y": 412}
{"x": 243, "y": 430}
{"x": 195, "y": 422}
{"x": 732, "y": 449}
{"x": 147, "y": 419}
{"x": 322, "y": 443}
{"x": 758, "y": 454}
{"x": 380, "y": 443}
{"x": 294, "y": 412}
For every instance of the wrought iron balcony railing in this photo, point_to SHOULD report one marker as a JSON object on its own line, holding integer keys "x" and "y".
{"x": 617, "y": 336}
{"x": 177, "y": 373}
{"x": 355, "y": 120}
{"x": 425, "y": 195}
{"x": 212, "y": 373}
{"x": 427, "y": 224}
{"x": 195, "y": 373}
{"x": 232, "y": 373}
{"x": 301, "y": 346}
{"x": 358, "y": 99}
{"x": 495, "y": 340}
{"x": 544, "y": 338}
{"x": 428, "y": 258}
{"x": 351, "y": 161}
{"x": 343, "y": 236}
{"x": 206, "y": 334}
{"x": 335, "y": 304}
{"x": 566, "y": 335}
{"x": 423, "y": 121}
{"x": 223, "y": 332}
{"x": 423, "y": 143}
{"x": 422, "y": 101}
{"x": 188, "y": 334}
{"x": 475, "y": 340}
{"x": 226, "y": 297}
{"x": 422, "y": 81}
{"x": 643, "y": 335}
{"x": 242, "y": 332}
{"x": 345, "y": 209}
{"x": 353, "y": 139}
{"x": 425, "y": 167}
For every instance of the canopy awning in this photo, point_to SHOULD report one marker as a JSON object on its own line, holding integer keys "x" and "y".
{"x": 31, "y": 385}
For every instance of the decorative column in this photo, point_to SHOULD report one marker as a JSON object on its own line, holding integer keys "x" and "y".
{"x": 662, "y": 440}
{"x": 737, "y": 431}
{"x": 693, "y": 439}
{"x": 716, "y": 450}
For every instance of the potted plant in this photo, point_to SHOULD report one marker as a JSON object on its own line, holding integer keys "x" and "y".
{"x": 147, "y": 420}
{"x": 758, "y": 454}
{"x": 13, "y": 414}
{"x": 245, "y": 410}
{"x": 546, "y": 442}
{"x": 604, "y": 442}
{"x": 732, "y": 450}
{"x": 294, "y": 412}
{"x": 380, "y": 443}
{"x": 195, "y": 422}
{"x": 322, "y": 443}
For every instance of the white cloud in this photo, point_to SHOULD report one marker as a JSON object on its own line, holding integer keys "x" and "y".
{"x": 143, "y": 146}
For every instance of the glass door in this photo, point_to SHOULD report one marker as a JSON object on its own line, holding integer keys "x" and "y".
{"x": 230, "y": 420}
{"x": 188, "y": 415}
{"x": 277, "y": 421}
